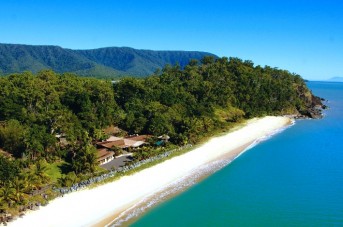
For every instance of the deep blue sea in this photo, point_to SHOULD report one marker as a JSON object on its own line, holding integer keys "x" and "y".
{"x": 293, "y": 179}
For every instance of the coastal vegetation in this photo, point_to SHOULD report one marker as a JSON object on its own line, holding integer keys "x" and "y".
{"x": 186, "y": 103}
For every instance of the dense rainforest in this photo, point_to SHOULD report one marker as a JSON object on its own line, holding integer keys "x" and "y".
{"x": 187, "y": 104}
{"x": 107, "y": 62}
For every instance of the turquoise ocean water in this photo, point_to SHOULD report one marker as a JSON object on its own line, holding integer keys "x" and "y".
{"x": 294, "y": 178}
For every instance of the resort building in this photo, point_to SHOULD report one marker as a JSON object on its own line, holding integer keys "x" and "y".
{"x": 104, "y": 156}
{"x": 62, "y": 139}
{"x": 123, "y": 143}
{"x": 105, "y": 148}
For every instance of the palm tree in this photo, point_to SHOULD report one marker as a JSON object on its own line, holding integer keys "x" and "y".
{"x": 19, "y": 188}
{"x": 31, "y": 181}
{"x": 85, "y": 160}
{"x": 92, "y": 160}
{"x": 40, "y": 171}
{"x": 7, "y": 195}
{"x": 68, "y": 180}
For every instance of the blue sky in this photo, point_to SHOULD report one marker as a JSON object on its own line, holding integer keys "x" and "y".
{"x": 305, "y": 37}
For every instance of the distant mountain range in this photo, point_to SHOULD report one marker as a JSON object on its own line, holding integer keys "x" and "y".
{"x": 336, "y": 79}
{"x": 102, "y": 62}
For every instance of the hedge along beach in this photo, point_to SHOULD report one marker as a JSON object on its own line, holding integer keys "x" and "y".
{"x": 104, "y": 203}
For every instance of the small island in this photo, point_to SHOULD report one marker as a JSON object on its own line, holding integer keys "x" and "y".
{"x": 60, "y": 132}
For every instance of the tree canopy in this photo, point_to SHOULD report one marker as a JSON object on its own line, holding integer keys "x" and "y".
{"x": 185, "y": 102}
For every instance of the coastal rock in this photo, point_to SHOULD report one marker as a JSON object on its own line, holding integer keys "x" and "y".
{"x": 314, "y": 109}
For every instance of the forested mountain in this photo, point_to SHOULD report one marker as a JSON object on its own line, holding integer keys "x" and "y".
{"x": 108, "y": 62}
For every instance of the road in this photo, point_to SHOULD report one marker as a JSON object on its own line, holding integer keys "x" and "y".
{"x": 118, "y": 162}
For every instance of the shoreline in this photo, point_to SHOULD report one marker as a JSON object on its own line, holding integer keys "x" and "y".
{"x": 128, "y": 216}
{"x": 97, "y": 205}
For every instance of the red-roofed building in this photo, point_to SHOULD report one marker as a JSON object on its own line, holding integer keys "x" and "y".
{"x": 104, "y": 156}
{"x": 123, "y": 143}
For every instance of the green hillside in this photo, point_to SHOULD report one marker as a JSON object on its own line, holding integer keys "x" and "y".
{"x": 103, "y": 62}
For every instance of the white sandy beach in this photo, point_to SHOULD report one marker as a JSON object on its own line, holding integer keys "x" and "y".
{"x": 91, "y": 206}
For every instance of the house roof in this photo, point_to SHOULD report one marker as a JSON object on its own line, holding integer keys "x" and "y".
{"x": 122, "y": 143}
{"x": 164, "y": 137}
{"x": 5, "y": 153}
{"x": 114, "y": 138}
{"x": 110, "y": 144}
{"x": 133, "y": 141}
{"x": 138, "y": 138}
{"x": 59, "y": 135}
{"x": 104, "y": 153}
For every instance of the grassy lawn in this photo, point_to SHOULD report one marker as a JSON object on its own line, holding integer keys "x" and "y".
{"x": 55, "y": 170}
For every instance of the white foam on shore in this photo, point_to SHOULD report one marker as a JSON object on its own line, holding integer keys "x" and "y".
{"x": 268, "y": 136}
{"x": 89, "y": 207}
{"x": 165, "y": 193}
